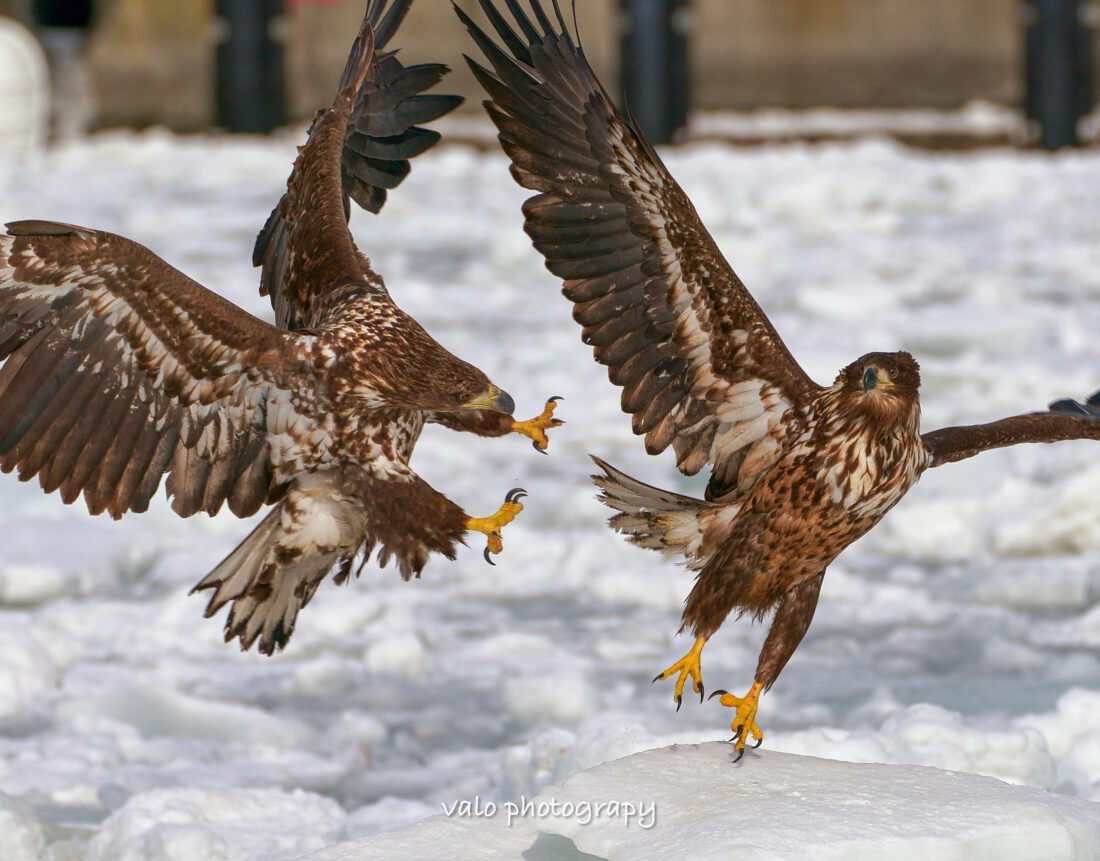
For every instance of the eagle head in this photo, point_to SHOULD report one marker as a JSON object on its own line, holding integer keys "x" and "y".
{"x": 882, "y": 387}
{"x": 456, "y": 385}
{"x": 426, "y": 379}
{"x": 897, "y": 374}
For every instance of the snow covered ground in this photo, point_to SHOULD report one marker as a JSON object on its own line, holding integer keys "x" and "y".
{"x": 687, "y": 801}
{"x": 963, "y": 633}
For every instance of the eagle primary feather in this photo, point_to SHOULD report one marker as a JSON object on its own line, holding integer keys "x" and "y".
{"x": 798, "y": 470}
{"x": 118, "y": 370}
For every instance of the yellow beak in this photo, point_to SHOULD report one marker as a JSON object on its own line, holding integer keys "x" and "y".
{"x": 493, "y": 399}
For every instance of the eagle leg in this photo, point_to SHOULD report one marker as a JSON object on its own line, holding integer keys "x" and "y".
{"x": 688, "y": 665}
{"x": 536, "y": 428}
{"x": 491, "y": 526}
{"x": 744, "y": 721}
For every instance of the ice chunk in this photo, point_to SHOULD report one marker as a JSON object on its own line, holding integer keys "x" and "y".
{"x": 690, "y": 801}
{"x": 210, "y": 825}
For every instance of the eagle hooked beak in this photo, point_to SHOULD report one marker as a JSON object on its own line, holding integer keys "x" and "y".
{"x": 494, "y": 399}
{"x": 872, "y": 379}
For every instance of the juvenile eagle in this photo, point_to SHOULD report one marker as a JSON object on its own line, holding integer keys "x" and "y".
{"x": 798, "y": 471}
{"x": 119, "y": 369}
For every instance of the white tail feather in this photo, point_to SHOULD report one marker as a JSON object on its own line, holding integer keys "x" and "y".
{"x": 275, "y": 571}
{"x": 650, "y": 517}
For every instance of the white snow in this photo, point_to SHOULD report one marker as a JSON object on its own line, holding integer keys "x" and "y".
{"x": 185, "y": 824}
{"x": 688, "y": 801}
{"x": 963, "y": 633}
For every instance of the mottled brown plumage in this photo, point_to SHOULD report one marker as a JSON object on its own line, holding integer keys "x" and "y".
{"x": 799, "y": 471}
{"x": 118, "y": 370}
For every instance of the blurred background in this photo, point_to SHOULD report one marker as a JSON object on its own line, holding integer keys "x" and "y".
{"x": 965, "y": 71}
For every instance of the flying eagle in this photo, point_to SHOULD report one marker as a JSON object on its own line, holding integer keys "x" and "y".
{"x": 120, "y": 369}
{"x": 798, "y": 470}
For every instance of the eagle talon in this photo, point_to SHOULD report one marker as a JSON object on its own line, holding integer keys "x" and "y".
{"x": 536, "y": 428}
{"x": 744, "y": 721}
{"x": 688, "y": 667}
{"x": 491, "y": 526}
{"x": 515, "y": 494}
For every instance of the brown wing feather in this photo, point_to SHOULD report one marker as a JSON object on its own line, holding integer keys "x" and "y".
{"x": 1066, "y": 420}
{"x": 119, "y": 368}
{"x": 383, "y": 133}
{"x": 702, "y": 368}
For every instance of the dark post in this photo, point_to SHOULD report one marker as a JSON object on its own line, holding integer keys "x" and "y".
{"x": 654, "y": 62}
{"x": 1058, "y": 68}
{"x": 250, "y": 92}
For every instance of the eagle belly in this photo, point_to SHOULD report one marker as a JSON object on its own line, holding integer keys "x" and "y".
{"x": 828, "y": 489}
{"x": 820, "y": 498}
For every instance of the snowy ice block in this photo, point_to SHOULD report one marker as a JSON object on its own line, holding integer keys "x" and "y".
{"x": 770, "y": 806}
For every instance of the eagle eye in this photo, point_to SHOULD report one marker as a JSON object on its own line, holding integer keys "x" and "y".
{"x": 870, "y": 379}
{"x": 893, "y": 373}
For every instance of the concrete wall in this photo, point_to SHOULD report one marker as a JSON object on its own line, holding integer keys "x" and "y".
{"x": 895, "y": 53}
{"x": 152, "y": 59}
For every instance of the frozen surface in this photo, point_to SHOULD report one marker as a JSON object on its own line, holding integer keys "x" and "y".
{"x": 963, "y": 633}
{"x": 687, "y": 801}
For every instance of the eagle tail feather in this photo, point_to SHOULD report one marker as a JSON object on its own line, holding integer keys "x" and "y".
{"x": 273, "y": 574}
{"x": 656, "y": 519}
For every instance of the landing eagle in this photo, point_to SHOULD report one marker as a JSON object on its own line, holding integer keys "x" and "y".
{"x": 798, "y": 470}
{"x": 119, "y": 370}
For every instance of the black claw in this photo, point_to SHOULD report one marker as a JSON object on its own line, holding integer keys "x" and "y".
{"x": 515, "y": 494}
{"x": 739, "y": 731}
{"x": 554, "y": 398}
{"x": 737, "y": 758}
{"x": 535, "y": 446}
{"x": 759, "y": 742}
{"x": 717, "y": 693}
{"x": 657, "y": 678}
{"x": 679, "y": 702}
{"x": 700, "y": 691}
{"x": 489, "y": 558}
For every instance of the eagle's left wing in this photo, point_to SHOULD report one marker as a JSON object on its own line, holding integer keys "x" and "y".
{"x": 383, "y": 133}
{"x": 1066, "y": 420}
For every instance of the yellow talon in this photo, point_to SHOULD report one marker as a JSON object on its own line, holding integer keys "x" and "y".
{"x": 536, "y": 428}
{"x": 744, "y": 722}
{"x": 688, "y": 665}
{"x": 491, "y": 526}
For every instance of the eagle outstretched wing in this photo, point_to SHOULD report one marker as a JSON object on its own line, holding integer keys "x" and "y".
{"x": 383, "y": 133}
{"x": 119, "y": 369}
{"x": 702, "y": 368}
{"x": 1066, "y": 420}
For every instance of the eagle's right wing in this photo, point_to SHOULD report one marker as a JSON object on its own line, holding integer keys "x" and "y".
{"x": 383, "y": 133}
{"x": 116, "y": 368}
{"x": 702, "y": 368}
